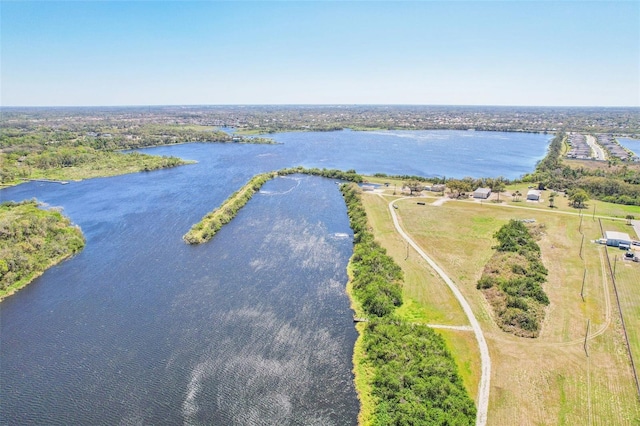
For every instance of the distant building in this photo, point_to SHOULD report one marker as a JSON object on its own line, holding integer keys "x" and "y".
{"x": 437, "y": 188}
{"x": 616, "y": 239}
{"x": 533, "y": 195}
{"x": 482, "y": 193}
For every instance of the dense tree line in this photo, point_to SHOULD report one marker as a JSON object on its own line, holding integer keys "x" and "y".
{"x": 31, "y": 240}
{"x": 415, "y": 379}
{"x": 349, "y": 175}
{"x": 85, "y": 161}
{"x": 376, "y": 277}
{"x": 512, "y": 281}
{"x": 104, "y": 134}
{"x": 424, "y": 179}
{"x": 31, "y": 149}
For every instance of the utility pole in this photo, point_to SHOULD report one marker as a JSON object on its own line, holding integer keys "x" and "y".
{"x": 580, "y": 228}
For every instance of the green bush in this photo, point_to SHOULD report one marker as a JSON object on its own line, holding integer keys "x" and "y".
{"x": 523, "y": 290}
{"x": 31, "y": 240}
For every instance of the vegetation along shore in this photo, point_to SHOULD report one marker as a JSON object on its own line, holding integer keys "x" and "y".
{"x": 404, "y": 372}
{"x": 211, "y": 223}
{"x": 527, "y": 268}
{"x": 33, "y": 239}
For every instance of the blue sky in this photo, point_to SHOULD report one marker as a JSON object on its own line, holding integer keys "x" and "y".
{"x": 549, "y": 53}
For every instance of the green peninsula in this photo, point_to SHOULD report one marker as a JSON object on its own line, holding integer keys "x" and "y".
{"x": 32, "y": 240}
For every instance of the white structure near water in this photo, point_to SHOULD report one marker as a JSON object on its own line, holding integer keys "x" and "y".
{"x": 533, "y": 195}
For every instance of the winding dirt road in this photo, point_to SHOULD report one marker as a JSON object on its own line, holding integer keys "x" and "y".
{"x": 485, "y": 378}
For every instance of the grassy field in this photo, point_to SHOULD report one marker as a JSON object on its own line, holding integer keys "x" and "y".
{"x": 628, "y": 284}
{"x": 561, "y": 203}
{"x": 548, "y": 380}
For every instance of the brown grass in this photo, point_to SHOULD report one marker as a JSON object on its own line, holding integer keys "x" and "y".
{"x": 549, "y": 380}
{"x": 599, "y": 165}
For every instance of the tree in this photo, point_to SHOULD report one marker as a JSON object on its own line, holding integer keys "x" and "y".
{"x": 516, "y": 196}
{"x": 578, "y": 198}
{"x": 629, "y": 218}
{"x": 413, "y": 186}
{"x": 552, "y": 198}
{"x": 497, "y": 187}
{"x": 458, "y": 186}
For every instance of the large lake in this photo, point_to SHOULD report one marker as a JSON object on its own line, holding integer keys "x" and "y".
{"x": 632, "y": 144}
{"x": 252, "y": 328}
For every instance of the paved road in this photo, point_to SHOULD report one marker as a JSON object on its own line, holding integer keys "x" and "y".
{"x": 636, "y": 227}
{"x": 597, "y": 149}
{"x": 485, "y": 378}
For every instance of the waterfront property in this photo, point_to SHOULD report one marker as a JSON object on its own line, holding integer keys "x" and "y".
{"x": 482, "y": 193}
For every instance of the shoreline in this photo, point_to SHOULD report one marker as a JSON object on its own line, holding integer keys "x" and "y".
{"x": 16, "y": 287}
{"x": 44, "y": 239}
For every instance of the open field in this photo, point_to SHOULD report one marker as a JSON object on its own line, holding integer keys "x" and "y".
{"x": 548, "y": 380}
{"x": 561, "y": 203}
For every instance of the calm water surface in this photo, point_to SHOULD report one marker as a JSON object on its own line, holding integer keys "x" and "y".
{"x": 632, "y": 144}
{"x": 251, "y": 328}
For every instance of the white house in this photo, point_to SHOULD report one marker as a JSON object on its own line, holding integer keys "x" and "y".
{"x": 533, "y": 195}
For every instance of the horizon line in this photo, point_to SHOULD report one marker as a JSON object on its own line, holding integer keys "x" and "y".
{"x": 314, "y": 105}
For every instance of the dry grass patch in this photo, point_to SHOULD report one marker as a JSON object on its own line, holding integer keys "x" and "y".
{"x": 422, "y": 287}
{"x": 549, "y": 380}
{"x": 628, "y": 285}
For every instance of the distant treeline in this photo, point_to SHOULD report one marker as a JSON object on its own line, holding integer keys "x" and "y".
{"x": 28, "y": 136}
{"x": 77, "y": 162}
{"x": 414, "y": 377}
{"x": 279, "y": 118}
{"x": 615, "y": 183}
{"x": 512, "y": 281}
{"x": 434, "y": 179}
{"x": 31, "y": 149}
{"x": 32, "y": 240}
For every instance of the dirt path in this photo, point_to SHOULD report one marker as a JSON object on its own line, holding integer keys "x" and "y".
{"x": 485, "y": 378}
